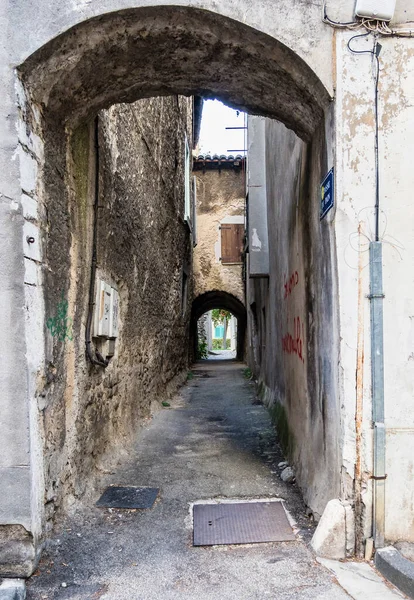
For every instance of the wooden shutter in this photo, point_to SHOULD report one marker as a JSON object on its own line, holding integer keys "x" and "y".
{"x": 232, "y": 238}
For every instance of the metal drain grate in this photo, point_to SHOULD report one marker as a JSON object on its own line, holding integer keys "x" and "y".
{"x": 240, "y": 523}
{"x": 128, "y": 497}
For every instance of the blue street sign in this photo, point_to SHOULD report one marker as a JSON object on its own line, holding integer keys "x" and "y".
{"x": 327, "y": 193}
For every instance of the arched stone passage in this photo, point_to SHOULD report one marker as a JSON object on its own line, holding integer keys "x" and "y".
{"x": 218, "y": 299}
{"x": 123, "y": 56}
{"x": 136, "y": 53}
{"x": 113, "y": 58}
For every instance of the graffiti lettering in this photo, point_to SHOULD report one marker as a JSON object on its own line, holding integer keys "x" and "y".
{"x": 294, "y": 344}
{"x": 291, "y": 283}
{"x": 61, "y": 325}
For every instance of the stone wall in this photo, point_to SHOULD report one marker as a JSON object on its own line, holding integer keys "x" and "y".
{"x": 89, "y": 413}
{"x": 220, "y": 199}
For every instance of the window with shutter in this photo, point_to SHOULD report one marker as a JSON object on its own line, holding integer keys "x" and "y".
{"x": 232, "y": 238}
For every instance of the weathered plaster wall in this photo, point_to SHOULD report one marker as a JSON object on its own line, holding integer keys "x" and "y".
{"x": 292, "y": 314}
{"x": 88, "y": 414}
{"x": 220, "y": 199}
{"x": 356, "y": 198}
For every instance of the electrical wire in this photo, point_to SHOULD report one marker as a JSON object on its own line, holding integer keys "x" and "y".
{"x": 376, "y": 49}
{"x": 326, "y": 19}
{"x": 354, "y": 37}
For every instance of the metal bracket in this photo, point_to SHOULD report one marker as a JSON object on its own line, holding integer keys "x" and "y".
{"x": 370, "y": 296}
{"x": 378, "y": 477}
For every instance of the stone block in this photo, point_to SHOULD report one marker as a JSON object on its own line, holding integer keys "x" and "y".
{"x": 15, "y": 495}
{"x": 30, "y": 272}
{"x": 287, "y": 475}
{"x": 28, "y": 171}
{"x": 18, "y": 555}
{"x": 29, "y": 206}
{"x": 350, "y": 530}
{"x": 329, "y": 539}
{"x": 31, "y": 241}
{"x": 12, "y": 589}
{"x": 396, "y": 568}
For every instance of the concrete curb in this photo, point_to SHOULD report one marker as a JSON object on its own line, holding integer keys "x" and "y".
{"x": 12, "y": 589}
{"x": 396, "y": 568}
{"x": 361, "y": 580}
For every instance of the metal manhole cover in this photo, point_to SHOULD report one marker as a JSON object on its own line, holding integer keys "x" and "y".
{"x": 240, "y": 523}
{"x": 128, "y": 497}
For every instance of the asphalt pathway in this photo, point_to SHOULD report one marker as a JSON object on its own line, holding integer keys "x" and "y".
{"x": 213, "y": 442}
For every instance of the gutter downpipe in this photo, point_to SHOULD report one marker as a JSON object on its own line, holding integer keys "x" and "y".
{"x": 93, "y": 356}
{"x": 376, "y": 297}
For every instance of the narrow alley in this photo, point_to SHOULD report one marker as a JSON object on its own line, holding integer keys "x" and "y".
{"x": 207, "y": 298}
{"x": 212, "y": 442}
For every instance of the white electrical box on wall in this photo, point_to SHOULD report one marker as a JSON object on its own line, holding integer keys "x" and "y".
{"x": 383, "y": 10}
{"x": 113, "y": 315}
{"x": 102, "y": 309}
{"x": 106, "y": 315}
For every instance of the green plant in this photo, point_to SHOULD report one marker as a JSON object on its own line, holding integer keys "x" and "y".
{"x": 166, "y": 404}
{"x": 190, "y": 375}
{"x": 217, "y": 344}
{"x": 247, "y": 373}
{"x": 202, "y": 351}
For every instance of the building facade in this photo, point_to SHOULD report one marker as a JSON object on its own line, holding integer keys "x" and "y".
{"x": 220, "y": 207}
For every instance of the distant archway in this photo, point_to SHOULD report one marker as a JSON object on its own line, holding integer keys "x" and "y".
{"x": 218, "y": 299}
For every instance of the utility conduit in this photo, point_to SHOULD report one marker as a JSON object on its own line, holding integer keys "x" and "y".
{"x": 359, "y": 404}
{"x": 377, "y": 373}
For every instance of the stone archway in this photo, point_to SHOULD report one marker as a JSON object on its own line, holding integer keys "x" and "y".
{"x": 121, "y": 57}
{"x": 136, "y": 53}
{"x": 219, "y": 299}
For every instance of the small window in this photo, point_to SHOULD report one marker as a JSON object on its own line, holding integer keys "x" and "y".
{"x": 232, "y": 241}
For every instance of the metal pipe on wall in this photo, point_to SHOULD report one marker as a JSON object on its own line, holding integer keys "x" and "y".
{"x": 377, "y": 325}
{"x": 376, "y": 297}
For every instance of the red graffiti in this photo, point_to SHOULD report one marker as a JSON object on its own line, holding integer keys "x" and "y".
{"x": 294, "y": 344}
{"x": 291, "y": 283}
